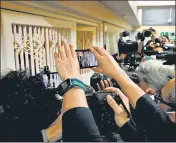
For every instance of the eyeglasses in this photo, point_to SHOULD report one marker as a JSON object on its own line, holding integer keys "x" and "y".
{"x": 159, "y": 100}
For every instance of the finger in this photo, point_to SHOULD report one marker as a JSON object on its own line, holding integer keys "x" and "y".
{"x": 56, "y": 57}
{"x": 111, "y": 89}
{"x": 67, "y": 49}
{"x": 98, "y": 86}
{"x": 72, "y": 51}
{"x": 106, "y": 83}
{"x": 57, "y": 52}
{"x": 61, "y": 52}
{"x": 118, "y": 92}
{"x": 106, "y": 52}
{"x": 97, "y": 55}
{"x": 99, "y": 50}
{"x": 112, "y": 103}
{"x": 110, "y": 82}
{"x": 102, "y": 84}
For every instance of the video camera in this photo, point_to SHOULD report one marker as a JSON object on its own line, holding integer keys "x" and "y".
{"x": 169, "y": 56}
{"x": 132, "y": 61}
{"x": 125, "y": 33}
{"x": 146, "y": 33}
{"x": 129, "y": 46}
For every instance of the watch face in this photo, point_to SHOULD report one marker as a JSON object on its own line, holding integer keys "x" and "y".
{"x": 64, "y": 85}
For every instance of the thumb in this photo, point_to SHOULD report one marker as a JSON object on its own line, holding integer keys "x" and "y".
{"x": 112, "y": 103}
{"x": 150, "y": 91}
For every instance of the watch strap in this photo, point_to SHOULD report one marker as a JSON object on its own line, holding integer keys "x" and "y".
{"x": 73, "y": 83}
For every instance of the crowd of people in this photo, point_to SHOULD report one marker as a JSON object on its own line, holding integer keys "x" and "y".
{"x": 29, "y": 113}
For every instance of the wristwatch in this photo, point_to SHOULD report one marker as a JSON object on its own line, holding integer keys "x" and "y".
{"x": 69, "y": 84}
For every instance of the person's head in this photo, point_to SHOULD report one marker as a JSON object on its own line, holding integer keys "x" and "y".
{"x": 165, "y": 39}
{"x": 168, "y": 94}
{"x": 150, "y": 45}
{"x": 25, "y": 107}
{"x": 153, "y": 74}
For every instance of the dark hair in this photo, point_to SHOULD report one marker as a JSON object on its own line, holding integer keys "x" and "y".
{"x": 166, "y": 37}
{"x": 25, "y": 107}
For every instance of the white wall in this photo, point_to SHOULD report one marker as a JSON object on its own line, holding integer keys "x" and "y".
{"x": 9, "y": 17}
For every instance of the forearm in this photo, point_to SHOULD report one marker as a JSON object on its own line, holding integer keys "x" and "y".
{"x": 74, "y": 98}
{"x": 132, "y": 91}
{"x": 140, "y": 46}
{"x": 54, "y": 133}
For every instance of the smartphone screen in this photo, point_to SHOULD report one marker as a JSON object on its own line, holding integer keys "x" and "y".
{"x": 86, "y": 59}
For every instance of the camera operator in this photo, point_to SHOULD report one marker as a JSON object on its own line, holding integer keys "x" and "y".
{"x": 26, "y": 113}
{"x": 149, "y": 116}
{"x": 165, "y": 39}
{"x": 142, "y": 36}
{"x": 128, "y": 130}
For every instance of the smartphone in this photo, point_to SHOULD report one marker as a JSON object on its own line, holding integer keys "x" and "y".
{"x": 86, "y": 59}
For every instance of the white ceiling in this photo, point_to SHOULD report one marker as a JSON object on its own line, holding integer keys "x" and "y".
{"x": 122, "y": 8}
{"x": 154, "y": 3}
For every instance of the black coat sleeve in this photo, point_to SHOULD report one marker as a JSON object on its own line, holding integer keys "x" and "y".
{"x": 129, "y": 133}
{"x": 79, "y": 126}
{"x": 154, "y": 121}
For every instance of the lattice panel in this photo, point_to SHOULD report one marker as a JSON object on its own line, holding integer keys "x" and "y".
{"x": 84, "y": 41}
{"x": 34, "y": 46}
{"x": 80, "y": 39}
{"x": 88, "y": 39}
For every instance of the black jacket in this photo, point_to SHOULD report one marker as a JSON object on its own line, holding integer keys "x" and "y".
{"x": 79, "y": 124}
{"x": 130, "y": 133}
{"x": 154, "y": 120}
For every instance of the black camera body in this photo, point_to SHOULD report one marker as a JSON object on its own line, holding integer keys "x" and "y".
{"x": 169, "y": 56}
{"x": 146, "y": 33}
{"x": 125, "y": 33}
{"x": 130, "y": 46}
{"x": 158, "y": 40}
{"x": 132, "y": 61}
{"x": 102, "y": 112}
{"x": 140, "y": 36}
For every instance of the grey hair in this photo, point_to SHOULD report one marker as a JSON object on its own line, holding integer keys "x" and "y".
{"x": 155, "y": 74}
{"x": 172, "y": 96}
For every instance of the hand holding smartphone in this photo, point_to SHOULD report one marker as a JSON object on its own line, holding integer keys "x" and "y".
{"x": 86, "y": 59}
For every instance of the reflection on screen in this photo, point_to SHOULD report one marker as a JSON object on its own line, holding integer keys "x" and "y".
{"x": 87, "y": 59}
